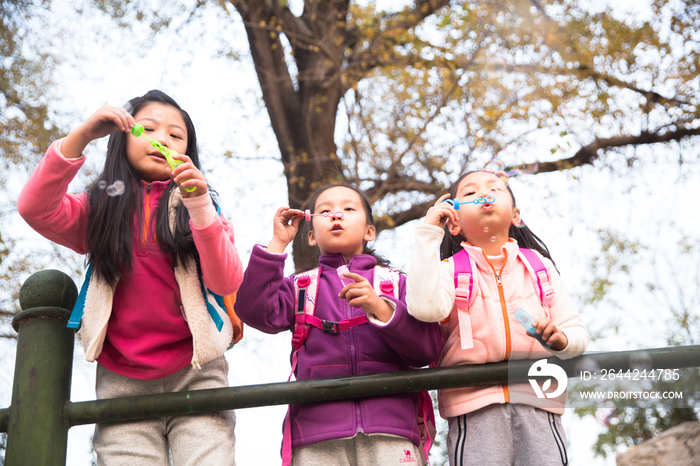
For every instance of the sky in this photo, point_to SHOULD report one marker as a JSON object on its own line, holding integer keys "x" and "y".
{"x": 651, "y": 203}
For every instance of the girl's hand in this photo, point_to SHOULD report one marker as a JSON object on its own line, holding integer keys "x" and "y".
{"x": 187, "y": 175}
{"x": 104, "y": 121}
{"x": 555, "y": 338}
{"x": 361, "y": 294}
{"x": 284, "y": 231}
{"x": 439, "y": 213}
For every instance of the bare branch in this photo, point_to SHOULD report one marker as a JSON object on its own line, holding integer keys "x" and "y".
{"x": 400, "y": 218}
{"x": 588, "y": 154}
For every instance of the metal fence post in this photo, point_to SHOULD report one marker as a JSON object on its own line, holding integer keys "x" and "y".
{"x": 37, "y": 433}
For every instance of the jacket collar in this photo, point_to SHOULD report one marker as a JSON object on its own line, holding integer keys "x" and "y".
{"x": 510, "y": 250}
{"x": 358, "y": 262}
{"x": 158, "y": 187}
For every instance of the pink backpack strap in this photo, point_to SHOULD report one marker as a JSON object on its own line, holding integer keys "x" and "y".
{"x": 426, "y": 425}
{"x": 540, "y": 275}
{"x": 386, "y": 280}
{"x": 306, "y": 294}
{"x": 465, "y": 296}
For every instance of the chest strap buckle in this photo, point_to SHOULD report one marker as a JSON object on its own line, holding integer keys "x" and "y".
{"x": 330, "y": 327}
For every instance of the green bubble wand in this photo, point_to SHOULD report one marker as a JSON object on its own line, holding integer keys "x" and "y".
{"x": 137, "y": 131}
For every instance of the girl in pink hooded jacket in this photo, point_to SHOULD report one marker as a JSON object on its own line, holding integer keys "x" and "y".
{"x": 503, "y": 424}
{"x": 150, "y": 232}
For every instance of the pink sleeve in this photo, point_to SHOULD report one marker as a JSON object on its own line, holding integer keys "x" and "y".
{"x": 222, "y": 268}
{"x": 45, "y": 205}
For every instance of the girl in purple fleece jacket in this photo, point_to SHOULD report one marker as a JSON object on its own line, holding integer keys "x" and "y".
{"x": 366, "y": 431}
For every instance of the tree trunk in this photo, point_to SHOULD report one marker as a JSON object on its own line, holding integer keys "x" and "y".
{"x": 302, "y": 114}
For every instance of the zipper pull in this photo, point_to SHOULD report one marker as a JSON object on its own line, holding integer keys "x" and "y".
{"x": 148, "y": 188}
{"x": 498, "y": 279}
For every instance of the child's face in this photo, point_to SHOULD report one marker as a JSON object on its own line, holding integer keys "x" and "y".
{"x": 346, "y": 235}
{"x": 487, "y": 220}
{"x": 162, "y": 123}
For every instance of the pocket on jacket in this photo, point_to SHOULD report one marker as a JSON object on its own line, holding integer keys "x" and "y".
{"x": 454, "y": 355}
{"x": 396, "y": 412}
{"x": 314, "y": 420}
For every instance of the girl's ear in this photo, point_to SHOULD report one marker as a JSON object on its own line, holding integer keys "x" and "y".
{"x": 312, "y": 239}
{"x": 516, "y": 220}
{"x": 369, "y": 233}
{"x": 454, "y": 228}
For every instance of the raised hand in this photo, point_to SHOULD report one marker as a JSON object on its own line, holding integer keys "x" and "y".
{"x": 440, "y": 212}
{"x": 104, "y": 121}
{"x": 284, "y": 227}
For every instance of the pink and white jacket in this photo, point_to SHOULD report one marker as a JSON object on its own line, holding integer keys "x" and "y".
{"x": 158, "y": 321}
{"x": 497, "y": 334}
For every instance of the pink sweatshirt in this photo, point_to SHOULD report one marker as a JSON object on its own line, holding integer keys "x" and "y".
{"x": 497, "y": 334}
{"x": 148, "y": 298}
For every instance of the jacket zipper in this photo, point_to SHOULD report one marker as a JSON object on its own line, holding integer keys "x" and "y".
{"x": 359, "y": 426}
{"x": 504, "y": 310}
{"x": 506, "y": 325}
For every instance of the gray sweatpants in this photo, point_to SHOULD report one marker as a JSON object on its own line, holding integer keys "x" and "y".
{"x": 360, "y": 450}
{"x": 507, "y": 435}
{"x": 193, "y": 440}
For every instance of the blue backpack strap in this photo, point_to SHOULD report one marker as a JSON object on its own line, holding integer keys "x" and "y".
{"x": 218, "y": 300}
{"x": 77, "y": 315}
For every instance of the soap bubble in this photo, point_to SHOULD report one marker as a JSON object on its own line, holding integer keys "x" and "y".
{"x": 493, "y": 239}
{"x": 486, "y": 229}
{"x": 504, "y": 175}
{"x": 606, "y": 414}
{"x": 102, "y": 184}
{"x": 116, "y": 189}
{"x": 495, "y": 66}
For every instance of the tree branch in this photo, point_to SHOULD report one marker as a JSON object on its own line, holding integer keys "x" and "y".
{"x": 588, "y": 154}
{"x": 397, "y": 219}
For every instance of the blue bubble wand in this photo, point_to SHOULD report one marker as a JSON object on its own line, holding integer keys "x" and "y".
{"x": 137, "y": 131}
{"x": 482, "y": 200}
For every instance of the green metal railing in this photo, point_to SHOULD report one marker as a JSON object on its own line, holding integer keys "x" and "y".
{"x": 41, "y": 413}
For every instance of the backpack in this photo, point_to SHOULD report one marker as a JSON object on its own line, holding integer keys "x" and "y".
{"x": 464, "y": 280}
{"x": 217, "y": 305}
{"x": 306, "y": 284}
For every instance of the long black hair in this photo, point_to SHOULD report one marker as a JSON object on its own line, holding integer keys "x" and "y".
{"x": 110, "y": 222}
{"x": 307, "y": 257}
{"x": 452, "y": 244}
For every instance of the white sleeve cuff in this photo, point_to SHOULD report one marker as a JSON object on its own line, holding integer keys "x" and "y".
{"x": 201, "y": 209}
{"x": 375, "y": 321}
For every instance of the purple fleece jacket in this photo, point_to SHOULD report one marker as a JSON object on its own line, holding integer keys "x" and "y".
{"x": 265, "y": 301}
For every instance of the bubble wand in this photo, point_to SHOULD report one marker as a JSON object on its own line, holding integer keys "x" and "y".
{"x": 307, "y": 215}
{"x": 482, "y": 200}
{"x": 137, "y": 131}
